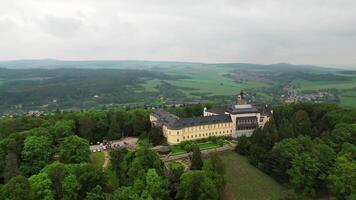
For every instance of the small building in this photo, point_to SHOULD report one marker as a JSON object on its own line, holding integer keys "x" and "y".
{"x": 233, "y": 121}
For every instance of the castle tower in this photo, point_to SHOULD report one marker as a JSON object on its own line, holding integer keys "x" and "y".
{"x": 240, "y": 100}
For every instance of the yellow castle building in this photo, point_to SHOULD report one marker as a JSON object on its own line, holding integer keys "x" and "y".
{"x": 233, "y": 121}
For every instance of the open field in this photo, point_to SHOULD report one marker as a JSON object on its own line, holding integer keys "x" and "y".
{"x": 244, "y": 181}
{"x": 319, "y": 85}
{"x": 348, "y": 98}
{"x": 205, "y": 80}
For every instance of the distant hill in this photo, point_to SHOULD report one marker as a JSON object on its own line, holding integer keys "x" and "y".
{"x": 142, "y": 64}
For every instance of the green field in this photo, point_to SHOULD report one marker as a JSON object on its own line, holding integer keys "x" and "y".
{"x": 97, "y": 158}
{"x": 348, "y": 98}
{"x": 205, "y": 80}
{"x": 319, "y": 85}
{"x": 244, "y": 181}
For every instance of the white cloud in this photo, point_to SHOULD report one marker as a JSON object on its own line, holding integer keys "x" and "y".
{"x": 258, "y": 31}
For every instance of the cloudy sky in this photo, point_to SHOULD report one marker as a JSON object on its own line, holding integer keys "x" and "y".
{"x": 319, "y": 32}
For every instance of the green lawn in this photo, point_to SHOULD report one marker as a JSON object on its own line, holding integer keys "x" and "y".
{"x": 244, "y": 181}
{"x": 97, "y": 158}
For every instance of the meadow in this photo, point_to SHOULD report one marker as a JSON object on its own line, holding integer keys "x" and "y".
{"x": 244, "y": 181}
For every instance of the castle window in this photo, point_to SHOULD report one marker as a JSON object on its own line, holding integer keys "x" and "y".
{"x": 177, "y": 140}
{"x": 177, "y": 132}
{"x": 183, "y": 137}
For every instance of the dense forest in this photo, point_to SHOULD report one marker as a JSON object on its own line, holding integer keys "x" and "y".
{"x": 47, "y": 157}
{"x": 311, "y": 147}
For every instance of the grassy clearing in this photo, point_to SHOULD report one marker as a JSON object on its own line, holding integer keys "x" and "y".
{"x": 244, "y": 181}
{"x": 97, "y": 158}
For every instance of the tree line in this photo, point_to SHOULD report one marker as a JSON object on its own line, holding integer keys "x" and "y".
{"x": 311, "y": 147}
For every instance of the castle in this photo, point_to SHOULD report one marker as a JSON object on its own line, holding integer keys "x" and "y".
{"x": 233, "y": 121}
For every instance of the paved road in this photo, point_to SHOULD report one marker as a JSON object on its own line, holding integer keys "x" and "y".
{"x": 227, "y": 147}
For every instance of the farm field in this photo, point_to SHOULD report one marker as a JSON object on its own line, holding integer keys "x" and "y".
{"x": 244, "y": 181}
{"x": 208, "y": 81}
{"x": 319, "y": 85}
{"x": 348, "y": 98}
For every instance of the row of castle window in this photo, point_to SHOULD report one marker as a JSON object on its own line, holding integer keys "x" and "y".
{"x": 245, "y": 128}
{"x": 207, "y": 134}
{"x": 206, "y": 127}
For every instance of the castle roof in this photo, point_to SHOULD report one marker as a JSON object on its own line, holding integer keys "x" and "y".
{"x": 174, "y": 122}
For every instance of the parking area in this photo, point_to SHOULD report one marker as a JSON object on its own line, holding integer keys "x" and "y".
{"x": 128, "y": 142}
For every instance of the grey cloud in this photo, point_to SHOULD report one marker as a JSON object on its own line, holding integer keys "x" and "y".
{"x": 258, "y": 31}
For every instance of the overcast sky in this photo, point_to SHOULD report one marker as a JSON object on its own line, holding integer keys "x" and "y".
{"x": 319, "y": 32}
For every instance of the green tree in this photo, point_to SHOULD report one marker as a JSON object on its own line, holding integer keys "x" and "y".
{"x": 342, "y": 178}
{"x": 156, "y": 187}
{"x": 70, "y": 187}
{"x": 11, "y": 166}
{"x": 90, "y": 176}
{"x": 243, "y": 145}
{"x": 196, "y": 185}
{"x": 41, "y": 186}
{"x": 155, "y": 135}
{"x": 56, "y": 172}
{"x": 95, "y": 194}
{"x": 302, "y": 124}
{"x": 176, "y": 170}
{"x": 126, "y": 193}
{"x": 62, "y": 129}
{"x": 196, "y": 162}
{"x": 35, "y": 154}
{"x": 120, "y": 160}
{"x": 145, "y": 158}
{"x": 114, "y": 128}
{"x": 74, "y": 150}
{"x": 18, "y": 188}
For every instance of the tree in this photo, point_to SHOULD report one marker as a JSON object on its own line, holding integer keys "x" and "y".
{"x": 145, "y": 158}
{"x": 243, "y": 145}
{"x": 176, "y": 170}
{"x": 35, "y": 154}
{"x": 342, "y": 178}
{"x": 156, "y": 136}
{"x": 120, "y": 160}
{"x": 114, "y": 128}
{"x": 304, "y": 172}
{"x": 197, "y": 162}
{"x": 156, "y": 187}
{"x": 90, "y": 176}
{"x": 126, "y": 193}
{"x": 62, "y": 129}
{"x": 74, "y": 150}
{"x": 95, "y": 194}
{"x": 215, "y": 170}
{"x": 11, "y": 166}
{"x": 196, "y": 185}
{"x": 18, "y": 188}
{"x": 302, "y": 124}
{"x": 41, "y": 186}
{"x": 70, "y": 187}
{"x": 56, "y": 172}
